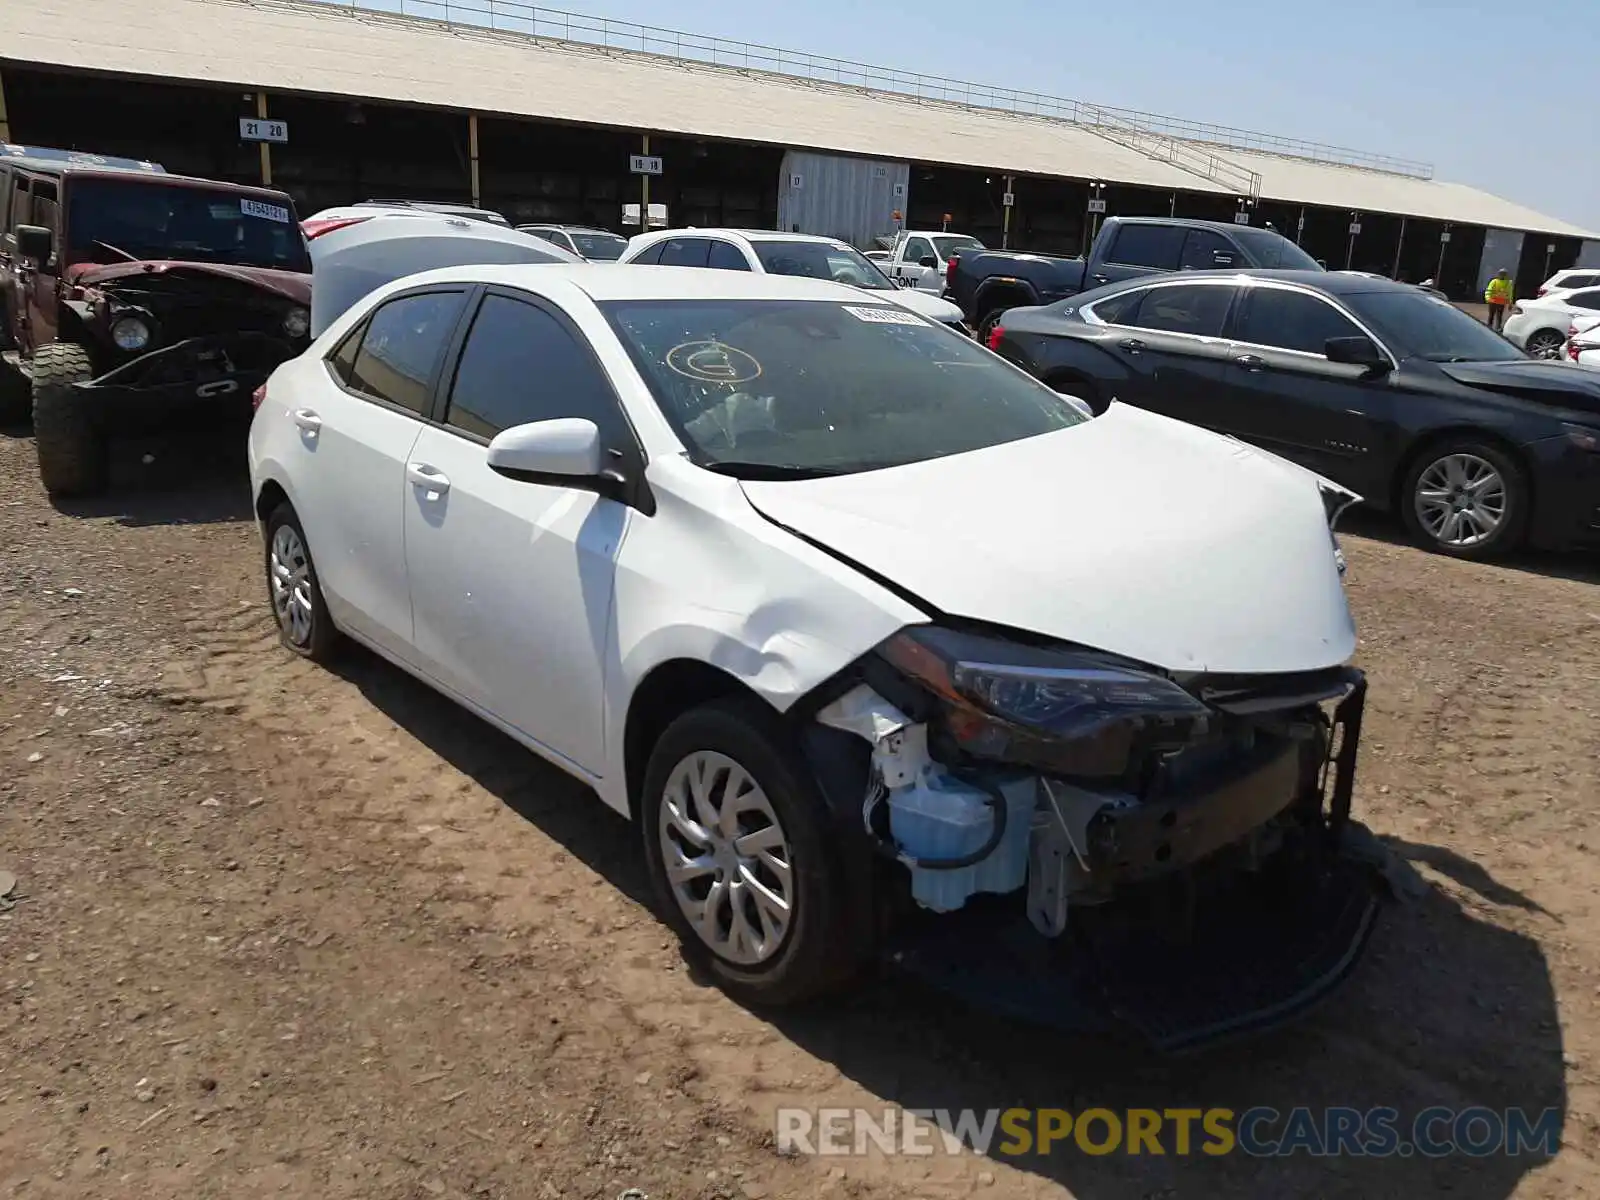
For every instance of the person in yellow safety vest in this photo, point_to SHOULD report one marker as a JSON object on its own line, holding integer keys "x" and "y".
{"x": 1498, "y": 297}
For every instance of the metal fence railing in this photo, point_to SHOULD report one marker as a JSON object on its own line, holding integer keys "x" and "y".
{"x": 1190, "y": 145}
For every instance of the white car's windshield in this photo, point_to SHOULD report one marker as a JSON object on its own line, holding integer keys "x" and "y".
{"x": 819, "y": 260}
{"x": 796, "y": 388}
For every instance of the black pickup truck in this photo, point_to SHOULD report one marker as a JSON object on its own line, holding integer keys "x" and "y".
{"x": 987, "y": 282}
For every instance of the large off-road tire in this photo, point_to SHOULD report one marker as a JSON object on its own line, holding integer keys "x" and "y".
{"x": 16, "y": 394}
{"x": 73, "y": 457}
{"x": 1467, "y": 497}
{"x": 730, "y": 771}
{"x": 293, "y": 590}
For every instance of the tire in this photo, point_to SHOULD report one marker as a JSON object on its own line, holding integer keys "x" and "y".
{"x": 285, "y": 546}
{"x": 73, "y": 457}
{"x": 989, "y": 321}
{"x": 16, "y": 394}
{"x": 1429, "y": 471}
{"x": 1546, "y": 343}
{"x": 812, "y": 954}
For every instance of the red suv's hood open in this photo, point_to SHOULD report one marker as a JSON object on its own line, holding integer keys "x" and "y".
{"x": 292, "y": 285}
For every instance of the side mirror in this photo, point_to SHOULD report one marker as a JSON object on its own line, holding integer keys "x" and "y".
{"x": 1356, "y": 351}
{"x": 35, "y": 243}
{"x": 927, "y": 260}
{"x": 565, "y": 452}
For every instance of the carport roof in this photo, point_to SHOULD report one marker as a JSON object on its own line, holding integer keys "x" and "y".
{"x": 289, "y": 45}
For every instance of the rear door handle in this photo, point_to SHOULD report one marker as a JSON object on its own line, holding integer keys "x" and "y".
{"x": 1099, "y": 278}
{"x": 307, "y": 420}
{"x": 1251, "y": 362}
{"x": 1132, "y": 345}
{"x": 431, "y": 478}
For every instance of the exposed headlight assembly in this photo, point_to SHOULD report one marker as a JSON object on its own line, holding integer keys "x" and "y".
{"x": 1076, "y": 712}
{"x": 296, "y": 323}
{"x": 130, "y": 333}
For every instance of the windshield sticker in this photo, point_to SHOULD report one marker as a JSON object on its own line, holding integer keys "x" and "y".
{"x": 267, "y": 212}
{"x": 884, "y": 316}
{"x": 712, "y": 362}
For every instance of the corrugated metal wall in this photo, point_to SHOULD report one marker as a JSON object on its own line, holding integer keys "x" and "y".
{"x": 1589, "y": 256}
{"x": 852, "y": 199}
{"x": 1502, "y": 248}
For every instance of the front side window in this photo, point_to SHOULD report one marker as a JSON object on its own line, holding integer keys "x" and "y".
{"x": 725, "y": 256}
{"x": 946, "y": 246}
{"x": 1293, "y": 321}
{"x": 1204, "y": 250}
{"x": 520, "y": 365}
{"x": 400, "y": 351}
{"x": 916, "y": 250}
{"x": 822, "y": 260}
{"x": 1147, "y": 246}
{"x": 785, "y": 388}
{"x": 115, "y": 220}
{"x": 1198, "y": 309}
{"x": 684, "y": 252}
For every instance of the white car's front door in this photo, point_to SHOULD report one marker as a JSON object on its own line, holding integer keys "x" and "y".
{"x": 512, "y": 582}
{"x": 356, "y": 428}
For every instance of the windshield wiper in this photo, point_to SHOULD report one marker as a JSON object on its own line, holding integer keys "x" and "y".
{"x": 115, "y": 250}
{"x": 768, "y": 471}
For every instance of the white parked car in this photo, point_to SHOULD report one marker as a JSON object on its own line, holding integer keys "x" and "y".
{"x": 1540, "y": 326}
{"x": 1570, "y": 280}
{"x": 797, "y": 254}
{"x": 1583, "y": 342}
{"x": 329, "y": 219}
{"x": 589, "y": 244}
{"x": 850, "y": 615}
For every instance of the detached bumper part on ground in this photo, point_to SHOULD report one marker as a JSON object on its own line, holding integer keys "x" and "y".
{"x": 1089, "y": 843}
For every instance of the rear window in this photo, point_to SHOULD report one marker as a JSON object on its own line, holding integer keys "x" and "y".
{"x": 603, "y": 247}
{"x": 114, "y": 220}
{"x": 760, "y": 388}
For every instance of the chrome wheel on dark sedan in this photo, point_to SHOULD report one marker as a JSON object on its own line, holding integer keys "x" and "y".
{"x": 1466, "y": 498}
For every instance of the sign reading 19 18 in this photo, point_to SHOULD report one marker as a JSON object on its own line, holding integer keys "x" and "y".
{"x": 258, "y": 129}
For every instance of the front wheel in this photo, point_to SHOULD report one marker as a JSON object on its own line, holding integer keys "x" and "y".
{"x": 74, "y": 458}
{"x": 1466, "y": 498}
{"x": 735, "y": 842}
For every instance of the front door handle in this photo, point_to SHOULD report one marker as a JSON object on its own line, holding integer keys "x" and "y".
{"x": 307, "y": 420}
{"x": 1099, "y": 278}
{"x": 1132, "y": 345}
{"x": 431, "y": 478}
{"x": 1251, "y": 362}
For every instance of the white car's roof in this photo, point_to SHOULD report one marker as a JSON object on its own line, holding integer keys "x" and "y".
{"x": 748, "y": 235}
{"x": 606, "y": 281}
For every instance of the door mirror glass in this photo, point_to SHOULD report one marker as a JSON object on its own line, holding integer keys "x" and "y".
{"x": 34, "y": 243}
{"x": 560, "y": 450}
{"x": 927, "y": 260}
{"x": 1357, "y": 351}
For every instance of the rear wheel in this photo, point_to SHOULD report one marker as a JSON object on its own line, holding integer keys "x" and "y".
{"x": 1546, "y": 343}
{"x": 304, "y": 625}
{"x": 1466, "y": 498}
{"x": 73, "y": 459}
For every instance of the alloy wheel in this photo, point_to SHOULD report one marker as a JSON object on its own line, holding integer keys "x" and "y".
{"x": 1545, "y": 345}
{"x": 289, "y": 576}
{"x": 1461, "y": 500}
{"x": 726, "y": 858}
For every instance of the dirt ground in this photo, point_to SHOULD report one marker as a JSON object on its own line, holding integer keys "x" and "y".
{"x": 284, "y": 931}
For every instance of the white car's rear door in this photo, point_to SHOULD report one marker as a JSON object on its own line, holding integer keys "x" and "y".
{"x": 356, "y": 427}
{"x": 512, "y": 582}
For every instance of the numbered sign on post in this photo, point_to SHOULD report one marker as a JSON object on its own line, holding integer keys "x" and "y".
{"x": 259, "y": 129}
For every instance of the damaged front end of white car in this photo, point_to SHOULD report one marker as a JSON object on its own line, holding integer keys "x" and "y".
{"x": 1079, "y": 839}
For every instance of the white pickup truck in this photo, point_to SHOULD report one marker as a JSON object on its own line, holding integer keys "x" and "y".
{"x": 917, "y": 260}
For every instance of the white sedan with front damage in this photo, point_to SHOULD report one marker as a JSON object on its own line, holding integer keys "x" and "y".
{"x": 888, "y": 649}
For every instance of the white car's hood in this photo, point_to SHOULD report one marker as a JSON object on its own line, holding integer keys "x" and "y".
{"x": 924, "y": 304}
{"x": 1131, "y": 533}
